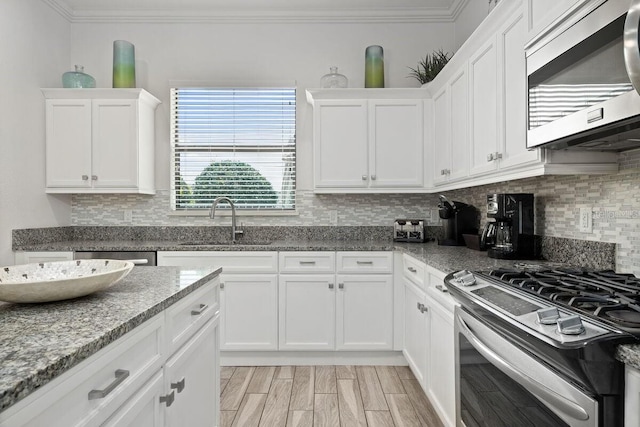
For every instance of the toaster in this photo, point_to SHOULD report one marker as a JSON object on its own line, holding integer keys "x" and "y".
{"x": 409, "y": 230}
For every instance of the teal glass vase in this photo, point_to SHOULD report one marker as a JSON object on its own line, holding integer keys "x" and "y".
{"x": 78, "y": 79}
{"x": 374, "y": 67}
{"x": 124, "y": 64}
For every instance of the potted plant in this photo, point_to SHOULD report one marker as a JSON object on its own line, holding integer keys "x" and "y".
{"x": 430, "y": 66}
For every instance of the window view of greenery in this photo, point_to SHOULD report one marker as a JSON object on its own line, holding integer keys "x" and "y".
{"x": 238, "y": 143}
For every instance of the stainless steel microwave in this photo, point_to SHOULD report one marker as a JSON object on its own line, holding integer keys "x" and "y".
{"x": 584, "y": 81}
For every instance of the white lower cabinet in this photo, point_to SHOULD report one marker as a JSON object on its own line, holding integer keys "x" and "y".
{"x": 307, "y": 311}
{"x": 429, "y": 335}
{"x": 364, "y": 314}
{"x": 350, "y": 310}
{"x": 416, "y": 330}
{"x": 26, "y": 257}
{"x": 248, "y": 295}
{"x": 130, "y": 381}
{"x": 632, "y": 398}
{"x": 192, "y": 375}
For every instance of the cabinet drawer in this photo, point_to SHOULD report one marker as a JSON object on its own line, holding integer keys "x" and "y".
{"x": 365, "y": 262}
{"x": 93, "y": 390}
{"x": 184, "y": 318}
{"x": 307, "y": 262}
{"x": 415, "y": 271}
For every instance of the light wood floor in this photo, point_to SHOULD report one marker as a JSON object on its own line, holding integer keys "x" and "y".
{"x": 333, "y": 396}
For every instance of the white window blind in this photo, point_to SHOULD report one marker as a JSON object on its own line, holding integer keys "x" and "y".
{"x": 233, "y": 142}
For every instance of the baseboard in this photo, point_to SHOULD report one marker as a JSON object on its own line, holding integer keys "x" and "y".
{"x": 288, "y": 358}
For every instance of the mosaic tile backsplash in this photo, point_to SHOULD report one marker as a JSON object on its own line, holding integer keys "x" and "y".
{"x": 614, "y": 198}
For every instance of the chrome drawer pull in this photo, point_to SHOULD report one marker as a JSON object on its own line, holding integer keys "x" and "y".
{"x": 364, "y": 262}
{"x": 121, "y": 375}
{"x": 168, "y": 399}
{"x": 411, "y": 269}
{"x": 179, "y": 386}
{"x": 442, "y": 288}
{"x": 199, "y": 311}
{"x": 340, "y": 285}
{"x": 307, "y": 263}
{"x": 330, "y": 285}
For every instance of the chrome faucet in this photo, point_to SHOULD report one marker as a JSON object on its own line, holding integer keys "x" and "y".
{"x": 234, "y": 231}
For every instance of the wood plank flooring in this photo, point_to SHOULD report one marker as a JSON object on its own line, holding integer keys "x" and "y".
{"x": 323, "y": 396}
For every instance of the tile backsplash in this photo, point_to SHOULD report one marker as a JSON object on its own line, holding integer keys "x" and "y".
{"x": 614, "y": 199}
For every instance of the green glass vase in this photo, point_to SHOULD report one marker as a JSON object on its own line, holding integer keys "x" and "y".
{"x": 374, "y": 67}
{"x": 78, "y": 79}
{"x": 124, "y": 64}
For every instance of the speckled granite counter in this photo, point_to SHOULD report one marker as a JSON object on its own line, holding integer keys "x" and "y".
{"x": 38, "y": 342}
{"x": 629, "y": 354}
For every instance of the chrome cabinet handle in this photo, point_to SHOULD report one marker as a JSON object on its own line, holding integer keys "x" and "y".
{"x": 422, "y": 308}
{"x": 411, "y": 269}
{"x": 121, "y": 375}
{"x": 441, "y": 171}
{"x": 442, "y": 288}
{"x": 630, "y": 43}
{"x": 200, "y": 310}
{"x": 168, "y": 399}
{"x": 490, "y": 157}
{"x": 221, "y": 285}
{"x": 497, "y": 156}
{"x": 373, "y": 177}
{"x": 364, "y": 177}
{"x": 307, "y": 263}
{"x": 364, "y": 262}
{"x": 179, "y": 386}
{"x": 340, "y": 285}
{"x": 85, "y": 177}
{"x": 94, "y": 177}
{"x": 330, "y": 285}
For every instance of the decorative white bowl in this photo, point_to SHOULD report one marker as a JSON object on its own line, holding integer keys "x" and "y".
{"x": 60, "y": 280}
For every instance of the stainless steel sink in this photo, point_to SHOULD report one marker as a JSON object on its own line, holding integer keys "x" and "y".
{"x": 226, "y": 243}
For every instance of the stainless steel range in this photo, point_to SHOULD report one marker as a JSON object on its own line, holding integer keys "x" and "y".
{"x": 535, "y": 345}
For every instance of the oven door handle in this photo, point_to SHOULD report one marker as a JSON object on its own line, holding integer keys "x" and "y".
{"x": 631, "y": 44}
{"x": 568, "y": 407}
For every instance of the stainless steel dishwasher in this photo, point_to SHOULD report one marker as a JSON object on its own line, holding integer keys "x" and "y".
{"x": 145, "y": 258}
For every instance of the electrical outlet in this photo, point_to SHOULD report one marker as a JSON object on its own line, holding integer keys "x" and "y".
{"x": 127, "y": 215}
{"x": 333, "y": 217}
{"x": 586, "y": 220}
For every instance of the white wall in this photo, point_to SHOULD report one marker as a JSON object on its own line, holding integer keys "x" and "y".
{"x": 253, "y": 53}
{"x": 468, "y": 20}
{"x": 34, "y": 41}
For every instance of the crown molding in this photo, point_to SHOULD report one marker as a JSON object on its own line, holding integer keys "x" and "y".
{"x": 232, "y": 16}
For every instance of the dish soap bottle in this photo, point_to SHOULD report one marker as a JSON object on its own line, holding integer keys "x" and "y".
{"x": 78, "y": 79}
{"x": 333, "y": 79}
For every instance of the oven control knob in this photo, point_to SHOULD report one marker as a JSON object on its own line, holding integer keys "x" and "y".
{"x": 548, "y": 316}
{"x": 464, "y": 278}
{"x": 570, "y": 325}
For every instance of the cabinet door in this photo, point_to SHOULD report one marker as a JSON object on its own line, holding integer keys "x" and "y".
{"x": 441, "y": 136}
{"x": 416, "y": 331}
{"x": 340, "y": 144}
{"x": 192, "y": 376}
{"x": 364, "y": 315}
{"x": 307, "y": 312}
{"x": 249, "y": 307}
{"x": 115, "y": 143}
{"x": 143, "y": 409}
{"x": 459, "y": 115}
{"x": 68, "y": 146}
{"x": 441, "y": 381}
{"x": 483, "y": 94}
{"x": 396, "y": 140}
{"x": 26, "y": 257}
{"x": 513, "y": 95}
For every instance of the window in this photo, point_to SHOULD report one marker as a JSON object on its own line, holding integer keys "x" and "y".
{"x": 233, "y": 142}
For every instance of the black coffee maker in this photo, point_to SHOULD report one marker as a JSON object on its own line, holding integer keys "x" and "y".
{"x": 510, "y": 236}
{"x": 457, "y": 219}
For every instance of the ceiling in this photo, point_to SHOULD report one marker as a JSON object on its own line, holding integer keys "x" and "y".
{"x": 281, "y": 10}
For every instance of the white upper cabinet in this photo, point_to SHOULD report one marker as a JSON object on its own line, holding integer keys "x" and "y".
{"x": 541, "y": 14}
{"x": 100, "y": 141}
{"x": 368, "y": 141}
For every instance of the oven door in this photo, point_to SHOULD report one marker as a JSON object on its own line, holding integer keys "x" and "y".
{"x": 497, "y": 384}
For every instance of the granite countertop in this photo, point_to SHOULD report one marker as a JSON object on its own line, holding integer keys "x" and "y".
{"x": 38, "y": 342}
